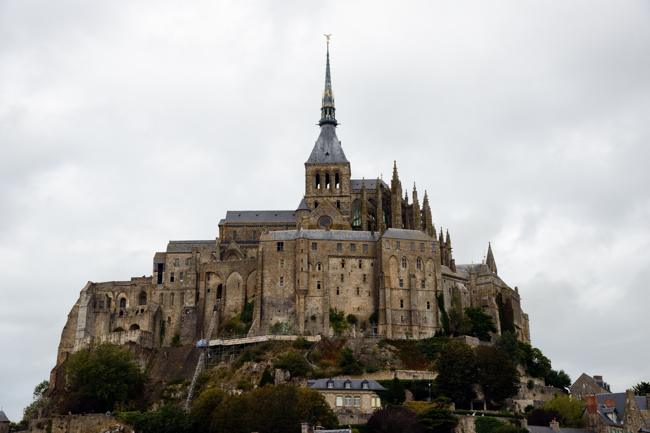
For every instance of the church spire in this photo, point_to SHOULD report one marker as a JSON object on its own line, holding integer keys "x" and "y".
{"x": 489, "y": 261}
{"x": 327, "y": 110}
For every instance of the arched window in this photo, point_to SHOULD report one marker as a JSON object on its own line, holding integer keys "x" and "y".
{"x": 356, "y": 214}
{"x": 134, "y": 327}
{"x": 219, "y": 290}
{"x": 118, "y": 330}
{"x": 327, "y": 181}
{"x": 315, "y": 204}
{"x": 419, "y": 263}
{"x": 317, "y": 183}
{"x": 318, "y": 266}
{"x": 337, "y": 181}
{"x": 142, "y": 298}
{"x": 122, "y": 303}
{"x": 404, "y": 263}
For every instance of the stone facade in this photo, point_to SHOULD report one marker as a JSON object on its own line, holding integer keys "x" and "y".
{"x": 357, "y": 246}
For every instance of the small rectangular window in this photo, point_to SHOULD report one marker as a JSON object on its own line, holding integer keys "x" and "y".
{"x": 339, "y": 400}
{"x": 317, "y": 285}
{"x": 365, "y": 278}
{"x": 365, "y": 248}
{"x": 423, "y": 284}
{"x": 360, "y": 264}
{"x": 353, "y": 247}
{"x": 281, "y": 281}
{"x": 358, "y": 291}
{"x": 282, "y": 263}
{"x": 342, "y": 277}
{"x": 401, "y": 282}
{"x": 387, "y": 245}
{"x": 412, "y": 246}
{"x": 314, "y": 246}
{"x": 339, "y": 247}
{"x": 421, "y": 247}
{"x": 401, "y": 303}
{"x": 171, "y": 277}
{"x": 397, "y": 245}
{"x": 177, "y": 262}
{"x": 279, "y": 246}
{"x": 181, "y": 276}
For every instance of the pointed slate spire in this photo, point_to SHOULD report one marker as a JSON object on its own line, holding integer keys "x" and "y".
{"x": 327, "y": 111}
{"x": 396, "y": 199}
{"x": 489, "y": 260}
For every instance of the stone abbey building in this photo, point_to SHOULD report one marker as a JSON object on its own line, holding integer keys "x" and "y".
{"x": 358, "y": 246}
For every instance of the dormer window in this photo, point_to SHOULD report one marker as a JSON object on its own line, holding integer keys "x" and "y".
{"x": 347, "y": 384}
{"x": 365, "y": 385}
{"x": 330, "y": 384}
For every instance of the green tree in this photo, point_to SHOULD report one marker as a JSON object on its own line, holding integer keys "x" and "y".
{"x": 293, "y": 362}
{"x": 267, "y": 378}
{"x": 496, "y": 374}
{"x": 101, "y": 378}
{"x": 203, "y": 406}
{"x": 487, "y": 424}
{"x": 313, "y": 408}
{"x": 480, "y": 324}
{"x": 642, "y": 388}
{"x": 40, "y": 405}
{"x": 394, "y": 419}
{"x": 457, "y": 373}
{"x": 438, "y": 420}
{"x": 167, "y": 419}
{"x": 349, "y": 364}
{"x": 570, "y": 410}
{"x": 537, "y": 365}
{"x": 558, "y": 379}
{"x": 337, "y": 321}
{"x": 395, "y": 393}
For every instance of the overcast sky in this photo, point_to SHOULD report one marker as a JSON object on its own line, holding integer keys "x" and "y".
{"x": 125, "y": 124}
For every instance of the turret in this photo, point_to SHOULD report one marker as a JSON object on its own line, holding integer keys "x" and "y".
{"x": 396, "y": 199}
{"x": 379, "y": 212}
{"x": 426, "y": 217}
{"x": 364, "y": 206}
{"x": 417, "y": 217}
{"x": 489, "y": 260}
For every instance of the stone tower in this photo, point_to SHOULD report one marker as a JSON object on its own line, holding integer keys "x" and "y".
{"x": 327, "y": 171}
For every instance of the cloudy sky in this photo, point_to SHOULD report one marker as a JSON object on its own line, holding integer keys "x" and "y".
{"x": 125, "y": 124}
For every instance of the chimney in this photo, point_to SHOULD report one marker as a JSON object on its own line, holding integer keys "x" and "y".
{"x": 591, "y": 404}
{"x": 554, "y": 425}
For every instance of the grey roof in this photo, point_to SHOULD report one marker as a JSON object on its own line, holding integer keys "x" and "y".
{"x": 415, "y": 235}
{"x": 340, "y": 384}
{"x": 260, "y": 216}
{"x": 303, "y": 205}
{"x": 618, "y": 398}
{"x": 371, "y": 184}
{"x": 3, "y": 417}
{"x": 188, "y": 246}
{"x": 327, "y": 149}
{"x": 339, "y": 235}
{"x": 547, "y": 429}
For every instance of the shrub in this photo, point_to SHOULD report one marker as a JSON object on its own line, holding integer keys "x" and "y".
{"x": 349, "y": 364}
{"x": 294, "y": 363}
{"x": 337, "y": 321}
{"x": 167, "y": 419}
{"x": 487, "y": 424}
{"x": 394, "y": 419}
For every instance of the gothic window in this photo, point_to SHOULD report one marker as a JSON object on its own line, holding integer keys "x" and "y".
{"x": 356, "y": 214}
{"x": 404, "y": 263}
{"x": 327, "y": 181}
{"x": 401, "y": 303}
{"x": 337, "y": 181}
{"x": 325, "y": 222}
{"x": 317, "y": 183}
{"x": 319, "y": 266}
{"x": 315, "y": 204}
{"x": 279, "y": 246}
{"x": 418, "y": 263}
{"x": 142, "y": 299}
{"x": 122, "y": 303}
{"x": 219, "y": 291}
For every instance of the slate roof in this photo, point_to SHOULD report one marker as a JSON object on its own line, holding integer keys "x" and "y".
{"x": 339, "y": 384}
{"x": 303, "y": 205}
{"x": 547, "y": 429}
{"x": 327, "y": 149}
{"x": 414, "y": 235}
{"x": 260, "y": 216}
{"x": 339, "y": 235}
{"x": 618, "y": 399}
{"x": 3, "y": 417}
{"x": 371, "y": 184}
{"x": 188, "y": 246}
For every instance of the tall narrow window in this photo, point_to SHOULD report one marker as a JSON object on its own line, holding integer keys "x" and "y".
{"x": 358, "y": 291}
{"x": 428, "y": 305}
{"x": 319, "y": 266}
{"x": 337, "y": 181}
{"x": 181, "y": 276}
{"x": 122, "y": 303}
{"x": 317, "y": 182}
{"x": 419, "y": 263}
{"x": 338, "y": 204}
{"x": 171, "y": 277}
{"x": 337, "y": 291}
{"x": 401, "y": 282}
{"x": 342, "y": 263}
{"x": 159, "y": 271}
{"x": 401, "y": 303}
{"x": 317, "y": 285}
{"x": 281, "y": 281}
{"x": 142, "y": 299}
{"x": 314, "y": 246}
{"x": 342, "y": 278}
{"x": 279, "y": 246}
{"x": 404, "y": 263}
{"x": 339, "y": 247}
{"x": 327, "y": 181}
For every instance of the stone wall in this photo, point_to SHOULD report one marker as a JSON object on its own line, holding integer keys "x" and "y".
{"x": 91, "y": 423}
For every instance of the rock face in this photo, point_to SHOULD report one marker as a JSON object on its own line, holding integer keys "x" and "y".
{"x": 354, "y": 246}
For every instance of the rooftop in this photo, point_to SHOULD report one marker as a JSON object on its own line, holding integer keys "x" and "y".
{"x": 327, "y": 149}
{"x": 354, "y": 384}
{"x": 188, "y": 246}
{"x": 260, "y": 216}
{"x": 415, "y": 235}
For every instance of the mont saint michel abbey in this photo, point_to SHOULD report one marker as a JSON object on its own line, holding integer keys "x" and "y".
{"x": 357, "y": 246}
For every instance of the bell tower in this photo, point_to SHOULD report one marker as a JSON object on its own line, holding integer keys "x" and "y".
{"x": 327, "y": 171}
